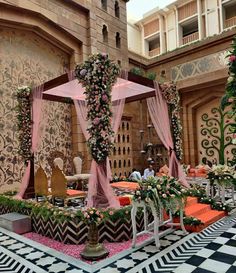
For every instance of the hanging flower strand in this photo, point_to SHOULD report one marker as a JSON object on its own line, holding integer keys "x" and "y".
{"x": 24, "y": 122}
{"x": 98, "y": 74}
{"x": 172, "y": 97}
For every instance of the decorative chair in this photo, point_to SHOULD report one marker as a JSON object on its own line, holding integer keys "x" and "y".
{"x": 81, "y": 177}
{"x": 59, "y": 162}
{"x": 40, "y": 183}
{"x": 78, "y": 177}
{"x": 59, "y": 187}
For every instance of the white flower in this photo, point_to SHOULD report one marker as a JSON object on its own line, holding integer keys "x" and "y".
{"x": 234, "y": 141}
{"x": 137, "y": 192}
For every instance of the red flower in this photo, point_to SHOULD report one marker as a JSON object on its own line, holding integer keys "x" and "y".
{"x": 232, "y": 58}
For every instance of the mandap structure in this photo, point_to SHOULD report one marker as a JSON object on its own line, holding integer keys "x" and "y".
{"x": 99, "y": 94}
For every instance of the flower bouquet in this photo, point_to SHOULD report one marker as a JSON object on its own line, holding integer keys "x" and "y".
{"x": 93, "y": 249}
{"x": 165, "y": 192}
{"x": 222, "y": 174}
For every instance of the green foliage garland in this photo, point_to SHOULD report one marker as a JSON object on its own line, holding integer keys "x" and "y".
{"x": 24, "y": 121}
{"x": 98, "y": 74}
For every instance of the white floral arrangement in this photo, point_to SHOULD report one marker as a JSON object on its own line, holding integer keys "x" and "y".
{"x": 222, "y": 174}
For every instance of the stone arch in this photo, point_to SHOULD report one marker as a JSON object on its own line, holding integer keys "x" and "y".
{"x": 45, "y": 27}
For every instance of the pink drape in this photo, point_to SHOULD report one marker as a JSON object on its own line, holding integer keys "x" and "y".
{"x": 158, "y": 110}
{"x": 100, "y": 193}
{"x": 37, "y": 94}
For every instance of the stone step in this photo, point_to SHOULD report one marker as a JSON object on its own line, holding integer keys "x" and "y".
{"x": 15, "y": 222}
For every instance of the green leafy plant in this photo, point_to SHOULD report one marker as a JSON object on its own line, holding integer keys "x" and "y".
{"x": 137, "y": 71}
{"x": 192, "y": 221}
{"x": 151, "y": 75}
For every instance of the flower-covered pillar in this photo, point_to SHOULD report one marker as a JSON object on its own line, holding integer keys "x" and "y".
{"x": 97, "y": 75}
{"x": 229, "y": 98}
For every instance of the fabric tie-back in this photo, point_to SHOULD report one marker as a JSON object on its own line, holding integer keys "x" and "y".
{"x": 37, "y": 94}
{"x": 158, "y": 111}
{"x": 100, "y": 193}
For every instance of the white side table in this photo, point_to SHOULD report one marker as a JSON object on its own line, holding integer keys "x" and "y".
{"x": 153, "y": 228}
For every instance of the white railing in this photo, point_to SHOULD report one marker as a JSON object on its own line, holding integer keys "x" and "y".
{"x": 230, "y": 22}
{"x": 190, "y": 38}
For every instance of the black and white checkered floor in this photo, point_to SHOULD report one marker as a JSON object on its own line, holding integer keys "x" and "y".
{"x": 212, "y": 250}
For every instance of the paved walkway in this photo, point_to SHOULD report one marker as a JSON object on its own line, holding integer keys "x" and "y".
{"x": 179, "y": 253}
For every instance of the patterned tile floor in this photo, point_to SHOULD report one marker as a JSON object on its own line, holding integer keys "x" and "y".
{"x": 19, "y": 254}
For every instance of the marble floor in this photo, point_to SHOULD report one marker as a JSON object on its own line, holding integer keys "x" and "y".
{"x": 212, "y": 250}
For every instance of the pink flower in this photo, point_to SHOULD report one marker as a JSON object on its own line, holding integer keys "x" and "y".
{"x": 230, "y": 100}
{"x": 96, "y": 121}
{"x": 111, "y": 212}
{"x": 232, "y": 58}
{"x": 91, "y": 212}
{"x": 104, "y": 98}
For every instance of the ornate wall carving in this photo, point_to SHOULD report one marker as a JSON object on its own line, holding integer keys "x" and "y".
{"x": 210, "y": 126}
{"x": 199, "y": 66}
{"x": 27, "y": 59}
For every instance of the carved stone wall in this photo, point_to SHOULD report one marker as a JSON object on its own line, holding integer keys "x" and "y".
{"x": 199, "y": 66}
{"x": 27, "y": 59}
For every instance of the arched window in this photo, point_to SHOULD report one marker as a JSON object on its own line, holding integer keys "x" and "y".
{"x": 117, "y": 40}
{"x": 129, "y": 163}
{"x": 118, "y": 138}
{"x": 104, "y": 4}
{"x": 124, "y": 151}
{"x": 105, "y": 34}
{"x": 117, "y": 9}
{"x": 119, "y": 163}
{"x": 115, "y": 165}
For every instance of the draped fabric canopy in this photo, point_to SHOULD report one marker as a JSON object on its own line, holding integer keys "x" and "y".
{"x": 158, "y": 111}
{"x": 122, "y": 90}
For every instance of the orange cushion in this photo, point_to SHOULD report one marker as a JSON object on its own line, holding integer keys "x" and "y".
{"x": 124, "y": 200}
{"x": 125, "y": 185}
{"x": 75, "y": 192}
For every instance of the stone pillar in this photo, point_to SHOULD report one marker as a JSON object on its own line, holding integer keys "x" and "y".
{"x": 200, "y": 25}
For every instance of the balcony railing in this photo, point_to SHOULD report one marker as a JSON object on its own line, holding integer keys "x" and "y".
{"x": 230, "y": 22}
{"x": 154, "y": 52}
{"x": 190, "y": 38}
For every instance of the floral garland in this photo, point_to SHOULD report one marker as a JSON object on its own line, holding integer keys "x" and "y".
{"x": 172, "y": 97}
{"x": 98, "y": 74}
{"x": 163, "y": 191}
{"x": 24, "y": 121}
{"x": 230, "y": 97}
